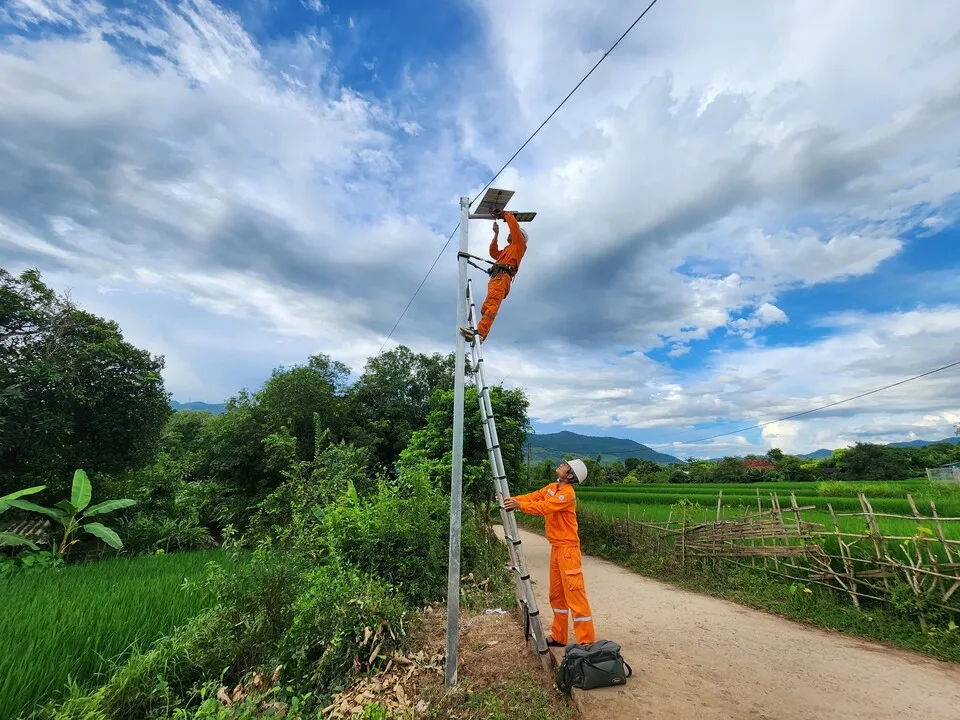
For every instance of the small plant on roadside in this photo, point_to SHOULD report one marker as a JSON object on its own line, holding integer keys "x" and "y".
{"x": 72, "y": 514}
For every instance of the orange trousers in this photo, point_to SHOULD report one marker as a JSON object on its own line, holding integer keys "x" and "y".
{"x": 497, "y": 290}
{"x": 568, "y": 595}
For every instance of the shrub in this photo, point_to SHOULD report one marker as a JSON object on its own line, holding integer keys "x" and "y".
{"x": 344, "y": 620}
{"x": 398, "y": 535}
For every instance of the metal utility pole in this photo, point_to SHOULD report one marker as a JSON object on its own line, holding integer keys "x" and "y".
{"x": 456, "y": 472}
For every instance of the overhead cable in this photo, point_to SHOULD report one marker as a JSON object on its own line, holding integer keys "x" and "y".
{"x": 507, "y": 163}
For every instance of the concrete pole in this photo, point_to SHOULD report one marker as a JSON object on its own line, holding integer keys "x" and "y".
{"x": 456, "y": 472}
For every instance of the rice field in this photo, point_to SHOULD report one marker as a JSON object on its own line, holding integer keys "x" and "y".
{"x": 653, "y": 502}
{"x": 74, "y": 623}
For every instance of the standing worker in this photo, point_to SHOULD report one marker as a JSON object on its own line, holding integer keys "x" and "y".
{"x": 558, "y": 504}
{"x": 506, "y": 264}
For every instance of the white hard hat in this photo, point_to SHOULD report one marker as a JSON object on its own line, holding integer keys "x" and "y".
{"x": 524, "y": 233}
{"x": 579, "y": 469}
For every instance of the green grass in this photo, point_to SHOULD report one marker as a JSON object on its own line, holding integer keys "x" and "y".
{"x": 653, "y": 502}
{"x": 76, "y": 623}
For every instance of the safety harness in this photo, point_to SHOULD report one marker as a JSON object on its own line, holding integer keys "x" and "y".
{"x": 494, "y": 269}
{"x": 498, "y": 269}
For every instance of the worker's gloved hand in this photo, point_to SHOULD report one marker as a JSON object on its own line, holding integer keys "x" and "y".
{"x": 496, "y": 228}
{"x": 511, "y": 504}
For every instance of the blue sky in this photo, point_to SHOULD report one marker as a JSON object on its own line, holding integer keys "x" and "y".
{"x": 750, "y": 209}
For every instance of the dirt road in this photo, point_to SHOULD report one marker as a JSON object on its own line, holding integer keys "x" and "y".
{"x": 699, "y": 657}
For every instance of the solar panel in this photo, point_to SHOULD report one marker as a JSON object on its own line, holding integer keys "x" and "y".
{"x": 497, "y": 199}
{"x": 493, "y": 198}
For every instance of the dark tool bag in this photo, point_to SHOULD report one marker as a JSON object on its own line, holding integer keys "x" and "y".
{"x": 598, "y": 664}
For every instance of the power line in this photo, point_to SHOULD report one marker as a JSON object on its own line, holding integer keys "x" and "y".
{"x": 824, "y": 407}
{"x": 512, "y": 158}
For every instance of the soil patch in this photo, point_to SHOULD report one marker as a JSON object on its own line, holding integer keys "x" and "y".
{"x": 497, "y": 676}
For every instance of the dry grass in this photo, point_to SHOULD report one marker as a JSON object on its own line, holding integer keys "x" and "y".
{"x": 497, "y": 677}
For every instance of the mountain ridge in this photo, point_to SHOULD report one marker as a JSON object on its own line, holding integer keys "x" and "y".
{"x": 215, "y": 408}
{"x": 554, "y": 446}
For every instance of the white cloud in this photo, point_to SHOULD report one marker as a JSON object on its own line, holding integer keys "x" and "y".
{"x": 758, "y": 384}
{"x": 722, "y": 156}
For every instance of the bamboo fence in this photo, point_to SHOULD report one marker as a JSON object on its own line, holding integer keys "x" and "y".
{"x": 919, "y": 571}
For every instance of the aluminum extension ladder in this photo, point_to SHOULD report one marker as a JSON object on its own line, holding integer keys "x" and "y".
{"x": 518, "y": 566}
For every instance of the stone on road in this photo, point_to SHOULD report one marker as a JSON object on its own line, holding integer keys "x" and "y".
{"x": 695, "y": 656}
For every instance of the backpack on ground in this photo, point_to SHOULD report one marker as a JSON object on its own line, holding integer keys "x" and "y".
{"x": 598, "y": 664}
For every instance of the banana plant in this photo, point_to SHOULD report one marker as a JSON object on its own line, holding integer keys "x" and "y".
{"x": 73, "y": 514}
{"x": 12, "y": 538}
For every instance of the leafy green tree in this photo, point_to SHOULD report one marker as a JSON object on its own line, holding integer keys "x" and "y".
{"x": 431, "y": 448}
{"x": 301, "y": 396}
{"x": 73, "y": 391}
{"x": 698, "y": 471}
{"x": 729, "y": 470}
{"x": 793, "y": 469}
{"x": 613, "y": 473}
{"x": 391, "y": 400}
{"x": 234, "y": 441}
{"x": 646, "y": 467}
{"x": 869, "y": 461}
{"x": 775, "y": 455}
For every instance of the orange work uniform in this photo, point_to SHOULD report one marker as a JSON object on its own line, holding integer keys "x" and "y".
{"x": 558, "y": 504}
{"x": 499, "y": 286}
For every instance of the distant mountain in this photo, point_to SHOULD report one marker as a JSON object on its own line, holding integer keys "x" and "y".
{"x": 215, "y": 408}
{"x": 554, "y": 446}
{"x": 824, "y": 453}
{"x": 817, "y": 454}
{"x": 923, "y": 443}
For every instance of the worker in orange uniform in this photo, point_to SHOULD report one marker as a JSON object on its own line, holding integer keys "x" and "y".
{"x": 558, "y": 504}
{"x": 506, "y": 264}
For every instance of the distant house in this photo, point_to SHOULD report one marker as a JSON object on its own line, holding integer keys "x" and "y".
{"x": 945, "y": 473}
{"x": 759, "y": 464}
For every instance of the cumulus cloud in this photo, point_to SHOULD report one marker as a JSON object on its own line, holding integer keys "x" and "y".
{"x": 721, "y": 158}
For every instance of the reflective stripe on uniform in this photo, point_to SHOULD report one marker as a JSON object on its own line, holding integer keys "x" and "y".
{"x": 558, "y": 610}
{"x": 583, "y": 619}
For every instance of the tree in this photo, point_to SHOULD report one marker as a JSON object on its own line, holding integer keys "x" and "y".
{"x": 775, "y": 455}
{"x": 729, "y": 470}
{"x": 613, "y": 473}
{"x": 391, "y": 400}
{"x": 869, "y": 461}
{"x": 646, "y": 467}
{"x": 793, "y": 469}
{"x": 74, "y": 393}
{"x": 430, "y": 449}
{"x": 299, "y": 396}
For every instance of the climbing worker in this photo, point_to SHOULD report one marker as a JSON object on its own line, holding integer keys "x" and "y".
{"x": 558, "y": 504}
{"x": 504, "y": 269}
